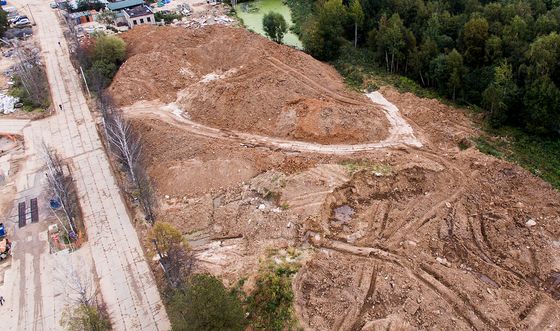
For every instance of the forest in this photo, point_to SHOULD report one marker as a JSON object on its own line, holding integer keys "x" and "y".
{"x": 502, "y": 56}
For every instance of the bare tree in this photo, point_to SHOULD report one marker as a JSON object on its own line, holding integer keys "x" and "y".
{"x": 60, "y": 182}
{"x": 30, "y": 73}
{"x": 146, "y": 194}
{"x": 84, "y": 312}
{"x": 124, "y": 143}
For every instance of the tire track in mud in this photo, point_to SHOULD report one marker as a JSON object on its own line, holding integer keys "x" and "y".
{"x": 407, "y": 226}
{"x": 367, "y": 304}
{"x": 461, "y": 305}
{"x": 311, "y": 84}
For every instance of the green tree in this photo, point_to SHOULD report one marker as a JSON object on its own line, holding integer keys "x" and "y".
{"x": 499, "y": 93}
{"x": 420, "y": 60}
{"x": 106, "y": 17}
{"x": 323, "y": 35}
{"x": 105, "y": 56}
{"x": 275, "y": 26}
{"x": 270, "y": 305}
{"x": 455, "y": 67}
{"x": 4, "y": 24}
{"x": 108, "y": 49}
{"x": 493, "y": 49}
{"x": 391, "y": 41}
{"x": 85, "y": 317}
{"x": 205, "y": 304}
{"x": 544, "y": 54}
{"x": 358, "y": 16}
{"x": 474, "y": 37}
{"x": 174, "y": 253}
{"x": 542, "y": 106}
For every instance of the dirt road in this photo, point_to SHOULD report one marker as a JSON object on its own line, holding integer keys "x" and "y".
{"x": 400, "y": 133}
{"x": 125, "y": 280}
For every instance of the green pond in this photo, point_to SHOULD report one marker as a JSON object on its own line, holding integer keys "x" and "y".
{"x": 252, "y": 14}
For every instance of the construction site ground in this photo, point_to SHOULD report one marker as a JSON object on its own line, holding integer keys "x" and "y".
{"x": 401, "y": 222}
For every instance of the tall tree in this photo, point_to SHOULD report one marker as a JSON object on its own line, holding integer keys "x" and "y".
{"x": 455, "y": 66}
{"x": 474, "y": 38}
{"x": 205, "y": 304}
{"x": 391, "y": 41}
{"x": 542, "y": 106}
{"x": 323, "y": 35}
{"x": 4, "y": 24}
{"x": 499, "y": 93}
{"x": 358, "y": 17}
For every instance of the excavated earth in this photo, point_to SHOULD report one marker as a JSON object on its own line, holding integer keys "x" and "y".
{"x": 231, "y": 78}
{"x": 400, "y": 238}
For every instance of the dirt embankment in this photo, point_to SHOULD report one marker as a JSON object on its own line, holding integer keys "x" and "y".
{"x": 230, "y": 78}
{"x": 434, "y": 237}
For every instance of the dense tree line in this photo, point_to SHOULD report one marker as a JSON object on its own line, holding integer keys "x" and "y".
{"x": 501, "y": 55}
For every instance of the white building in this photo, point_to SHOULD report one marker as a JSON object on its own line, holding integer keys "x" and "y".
{"x": 139, "y": 15}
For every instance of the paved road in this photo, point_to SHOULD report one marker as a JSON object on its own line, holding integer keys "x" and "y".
{"x": 125, "y": 280}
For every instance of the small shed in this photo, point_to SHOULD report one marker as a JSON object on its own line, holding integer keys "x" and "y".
{"x": 82, "y": 17}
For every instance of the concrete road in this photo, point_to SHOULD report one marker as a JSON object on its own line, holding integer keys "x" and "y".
{"x": 125, "y": 280}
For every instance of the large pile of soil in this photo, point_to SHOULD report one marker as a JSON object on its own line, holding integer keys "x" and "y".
{"x": 231, "y": 78}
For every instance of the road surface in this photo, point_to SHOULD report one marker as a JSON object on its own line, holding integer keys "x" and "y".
{"x": 124, "y": 279}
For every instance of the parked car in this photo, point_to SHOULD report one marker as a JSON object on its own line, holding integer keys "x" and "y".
{"x": 13, "y": 19}
{"x": 53, "y": 5}
{"x": 16, "y": 19}
{"x": 22, "y": 22}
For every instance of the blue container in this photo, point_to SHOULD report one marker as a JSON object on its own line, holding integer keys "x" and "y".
{"x": 2, "y": 230}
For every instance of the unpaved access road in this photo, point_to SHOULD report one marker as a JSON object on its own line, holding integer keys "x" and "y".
{"x": 400, "y": 132}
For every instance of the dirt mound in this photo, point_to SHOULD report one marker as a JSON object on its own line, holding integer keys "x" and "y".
{"x": 436, "y": 237}
{"x": 230, "y": 78}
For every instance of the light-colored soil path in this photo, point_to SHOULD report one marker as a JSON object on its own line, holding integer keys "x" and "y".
{"x": 125, "y": 281}
{"x": 400, "y": 133}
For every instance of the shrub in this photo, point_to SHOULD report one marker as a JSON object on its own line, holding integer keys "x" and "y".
{"x": 205, "y": 304}
{"x": 85, "y": 317}
{"x": 271, "y": 304}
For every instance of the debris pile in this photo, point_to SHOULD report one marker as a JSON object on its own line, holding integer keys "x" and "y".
{"x": 7, "y": 103}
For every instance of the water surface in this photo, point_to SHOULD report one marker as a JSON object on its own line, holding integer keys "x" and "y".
{"x": 252, "y": 13}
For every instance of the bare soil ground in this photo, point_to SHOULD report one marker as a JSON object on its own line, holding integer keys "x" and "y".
{"x": 394, "y": 238}
{"x": 231, "y": 78}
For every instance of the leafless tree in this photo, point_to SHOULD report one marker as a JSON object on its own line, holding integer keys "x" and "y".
{"x": 146, "y": 194}
{"x": 30, "y": 73}
{"x": 124, "y": 143}
{"x": 60, "y": 181}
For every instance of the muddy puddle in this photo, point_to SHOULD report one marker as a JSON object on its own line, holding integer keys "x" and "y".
{"x": 343, "y": 214}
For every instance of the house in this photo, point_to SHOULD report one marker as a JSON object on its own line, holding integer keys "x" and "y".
{"x": 120, "y": 5}
{"x": 139, "y": 15}
{"x": 83, "y": 16}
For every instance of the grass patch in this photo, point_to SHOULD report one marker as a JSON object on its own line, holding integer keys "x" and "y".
{"x": 353, "y": 166}
{"x": 486, "y": 146}
{"x": 539, "y": 155}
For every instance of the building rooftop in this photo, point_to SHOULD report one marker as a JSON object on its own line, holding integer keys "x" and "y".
{"x": 124, "y": 4}
{"x": 82, "y": 13}
{"x": 138, "y": 11}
